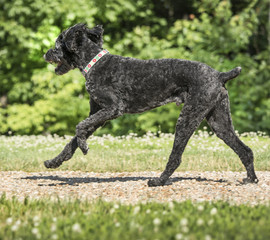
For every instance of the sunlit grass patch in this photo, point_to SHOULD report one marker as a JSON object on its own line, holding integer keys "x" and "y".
{"x": 204, "y": 152}
{"x": 59, "y": 219}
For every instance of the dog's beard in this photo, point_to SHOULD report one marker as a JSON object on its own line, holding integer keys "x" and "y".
{"x": 62, "y": 65}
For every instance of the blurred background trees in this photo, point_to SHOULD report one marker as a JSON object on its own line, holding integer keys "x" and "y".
{"x": 223, "y": 34}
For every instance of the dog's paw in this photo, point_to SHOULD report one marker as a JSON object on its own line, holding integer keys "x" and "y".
{"x": 249, "y": 180}
{"x": 157, "y": 182}
{"x": 82, "y": 145}
{"x": 52, "y": 164}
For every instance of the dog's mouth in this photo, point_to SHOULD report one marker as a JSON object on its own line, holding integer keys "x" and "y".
{"x": 61, "y": 67}
{"x": 57, "y": 65}
{"x": 61, "y": 64}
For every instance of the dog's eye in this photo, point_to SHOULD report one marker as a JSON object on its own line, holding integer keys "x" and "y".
{"x": 60, "y": 37}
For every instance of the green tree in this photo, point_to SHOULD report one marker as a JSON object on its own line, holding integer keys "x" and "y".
{"x": 223, "y": 34}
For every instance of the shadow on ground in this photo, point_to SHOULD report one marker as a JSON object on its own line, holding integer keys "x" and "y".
{"x": 77, "y": 180}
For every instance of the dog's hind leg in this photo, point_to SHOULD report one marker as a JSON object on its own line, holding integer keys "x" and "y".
{"x": 220, "y": 121}
{"x": 191, "y": 116}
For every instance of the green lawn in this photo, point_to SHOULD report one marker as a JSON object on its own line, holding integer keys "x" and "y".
{"x": 41, "y": 219}
{"x": 75, "y": 219}
{"x": 204, "y": 152}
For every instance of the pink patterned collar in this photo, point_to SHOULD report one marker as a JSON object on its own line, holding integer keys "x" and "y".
{"x": 94, "y": 60}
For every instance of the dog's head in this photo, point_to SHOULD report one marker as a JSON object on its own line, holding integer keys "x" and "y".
{"x": 73, "y": 45}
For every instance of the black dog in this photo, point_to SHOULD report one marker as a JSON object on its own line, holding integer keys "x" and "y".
{"x": 119, "y": 85}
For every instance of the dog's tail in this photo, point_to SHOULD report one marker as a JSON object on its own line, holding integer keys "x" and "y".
{"x": 226, "y": 76}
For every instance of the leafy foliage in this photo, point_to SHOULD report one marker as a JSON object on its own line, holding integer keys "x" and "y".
{"x": 223, "y": 34}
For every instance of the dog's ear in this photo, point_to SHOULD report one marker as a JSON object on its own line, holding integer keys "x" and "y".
{"x": 95, "y": 34}
{"x": 73, "y": 36}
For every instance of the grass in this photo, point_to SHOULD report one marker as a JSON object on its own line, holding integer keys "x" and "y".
{"x": 75, "y": 219}
{"x": 41, "y": 219}
{"x": 204, "y": 152}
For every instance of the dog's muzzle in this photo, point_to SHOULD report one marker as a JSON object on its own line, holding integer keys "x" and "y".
{"x": 51, "y": 56}
{"x": 55, "y": 56}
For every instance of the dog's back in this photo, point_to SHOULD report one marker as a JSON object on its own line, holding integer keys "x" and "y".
{"x": 146, "y": 84}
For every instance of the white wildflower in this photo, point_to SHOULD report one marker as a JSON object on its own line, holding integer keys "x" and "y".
{"x": 14, "y": 228}
{"x": 76, "y": 227}
{"x": 210, "y": 222}
{"x": 185, "y": 229}
{"x": 184, "y": 222}
{"x": 207, "y": 237}
{"x": 16, "y": 225}
{"x": 53, "y": 228}
{"x": 36, "y": 218}
{"x": 35, "y": 231}
{"x": 118, "y": 224}
{"x": 179, "y": 236}
{"x": 200, "y": 208}
{"x": 116, "y": 206}
{"x": 136, "y": 210}
{"x": 171, "y": 205}
{"x": 157, "y": 221}
{"x": 9, "y": 220}
{"x": 213, "y": 211}
{"x": 200, "y": 222}
{"x": 87, "y": 213}
{"x": 18, "y": 222}
{"x": 54, "y": 237}
{"x": 112, "y": 211}
{"x": 148, "y": 211}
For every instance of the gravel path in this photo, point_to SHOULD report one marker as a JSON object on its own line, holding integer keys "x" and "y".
{"x": 131, "y": 187}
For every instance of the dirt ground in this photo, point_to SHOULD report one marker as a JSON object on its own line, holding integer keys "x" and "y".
{"x": 131, "y": 187}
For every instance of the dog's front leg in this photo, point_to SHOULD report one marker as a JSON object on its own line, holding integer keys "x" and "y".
{"x": 91, "y": 123}
{"x": 75, "y": 142}
{"x": 67, "y": 153}
{"x": 71, "y": 147}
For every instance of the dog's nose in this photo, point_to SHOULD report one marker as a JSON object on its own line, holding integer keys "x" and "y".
{"x": 48, "y": 54}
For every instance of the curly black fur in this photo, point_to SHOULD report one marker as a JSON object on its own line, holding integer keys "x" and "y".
{"x": 119, "y": 85}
